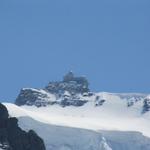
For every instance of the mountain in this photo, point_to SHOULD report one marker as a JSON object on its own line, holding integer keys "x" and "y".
{"x": 68, "y": 116}
{"x": 65, "y": 93}
{"x": 75, "y": 133}
{"x": 74, "y": 91}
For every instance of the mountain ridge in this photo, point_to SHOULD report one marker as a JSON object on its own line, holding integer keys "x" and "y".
{"x": 70, "y": 106}
{"x": 74, "y": 91}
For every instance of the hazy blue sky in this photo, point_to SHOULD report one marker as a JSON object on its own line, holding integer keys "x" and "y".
{"x": 106, "y": 40}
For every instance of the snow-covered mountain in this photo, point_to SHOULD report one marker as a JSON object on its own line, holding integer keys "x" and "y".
{"x": 68, "y": 116}
{"x": 66, "y": 130}
{"x": 74, "y": 91}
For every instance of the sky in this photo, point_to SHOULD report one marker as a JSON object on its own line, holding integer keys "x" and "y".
{"x": 106, "y": 41}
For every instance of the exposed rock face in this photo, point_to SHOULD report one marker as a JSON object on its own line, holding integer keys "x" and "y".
{"x": 14, "y": 138}
{"x": 33, "y": 97}
{"x": 55, "y": 93}
{"x": 146, "y": 105}
{"x": 3, "y": 112}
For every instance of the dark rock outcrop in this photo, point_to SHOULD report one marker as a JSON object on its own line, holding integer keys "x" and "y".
{"x": 3, "y": 112}
{"x": 12, "y": 137}
{"x": 31, "y": 97}
{"x": 146, "y": 105}
{"x": 69, "y": 102}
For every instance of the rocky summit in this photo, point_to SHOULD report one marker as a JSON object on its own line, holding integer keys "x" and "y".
{"x": 74, "y": 91}
{"x": 67, "y": 92}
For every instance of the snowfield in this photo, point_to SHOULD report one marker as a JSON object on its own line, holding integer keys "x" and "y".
{"x": 112, "y": 115}
{"x": 111, "y": 126}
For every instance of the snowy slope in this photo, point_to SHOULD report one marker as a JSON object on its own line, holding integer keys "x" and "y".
{"x": 58, "y": 137}
{"x": 63, "y": 138}
{"x": 113, "y": 114}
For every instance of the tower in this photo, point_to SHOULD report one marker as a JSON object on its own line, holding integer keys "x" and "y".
{"x": 69, "y": 76}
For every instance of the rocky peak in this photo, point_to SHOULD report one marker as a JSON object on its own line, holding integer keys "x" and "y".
{"x": 74, "y": 91}
{"x": 55, "y": 93}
